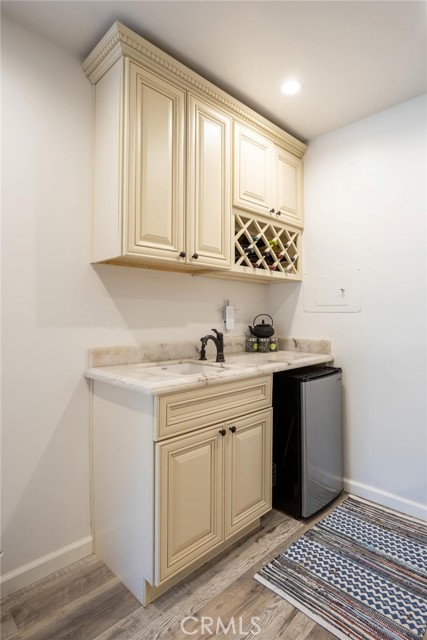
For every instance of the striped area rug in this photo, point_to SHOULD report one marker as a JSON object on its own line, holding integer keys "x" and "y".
{"x": 361, "y": 573}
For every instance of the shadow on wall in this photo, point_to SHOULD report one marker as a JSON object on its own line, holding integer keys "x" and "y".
{"x": 282, "y": 305}
{"x": 146, "y": 298}
{"x": 151, "y": 299}
{"x": 70, "y": 292}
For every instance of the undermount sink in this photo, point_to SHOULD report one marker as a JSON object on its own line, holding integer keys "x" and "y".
{"x": 184, "y": 368}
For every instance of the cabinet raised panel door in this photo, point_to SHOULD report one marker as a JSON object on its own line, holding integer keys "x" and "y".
{"x": 190, "y": 502}
{"x": 209, "y": 184}
{"x": 289, "y": 188}
{"x": 155, "y": 218}
{"x": 253, "y": 165}
{"x": 247, "y": 470}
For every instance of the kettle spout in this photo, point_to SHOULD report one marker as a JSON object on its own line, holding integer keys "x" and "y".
{"x": 251, "y": 330}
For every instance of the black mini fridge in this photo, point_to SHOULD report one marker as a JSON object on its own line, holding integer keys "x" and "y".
{"x": 307, "y": 439}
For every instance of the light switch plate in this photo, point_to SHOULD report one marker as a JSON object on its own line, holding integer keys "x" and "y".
{"x": 229, "y": 317}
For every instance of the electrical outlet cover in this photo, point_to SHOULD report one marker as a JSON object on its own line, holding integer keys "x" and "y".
{"x": 335, "y": 292}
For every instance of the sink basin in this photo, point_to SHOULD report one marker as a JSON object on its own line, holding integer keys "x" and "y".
{"x": 183, "y": 369}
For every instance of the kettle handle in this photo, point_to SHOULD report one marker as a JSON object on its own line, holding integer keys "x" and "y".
{"x": 263, "y": 314}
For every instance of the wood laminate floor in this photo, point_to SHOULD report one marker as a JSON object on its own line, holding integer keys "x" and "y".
{"x": 85, "y": 601}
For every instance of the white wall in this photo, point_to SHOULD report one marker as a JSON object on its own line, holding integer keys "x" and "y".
{"x": 365, "y": 205}
{"x": 55, "y": 306}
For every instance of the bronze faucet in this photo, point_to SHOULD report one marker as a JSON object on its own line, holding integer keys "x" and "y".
{"x": 218, "y": 342}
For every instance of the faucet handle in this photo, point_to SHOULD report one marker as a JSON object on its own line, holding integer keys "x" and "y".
{"x": 218, "y": 333}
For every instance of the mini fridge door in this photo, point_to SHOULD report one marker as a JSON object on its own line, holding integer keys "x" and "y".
{"x": 321, "y": 441}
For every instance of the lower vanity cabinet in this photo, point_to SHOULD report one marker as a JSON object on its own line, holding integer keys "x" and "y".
{"x": 212, "y": 484}
{"x": 164, "y": 503}
{"x": 248, "y": 473}
{"x": 190, "y": 498}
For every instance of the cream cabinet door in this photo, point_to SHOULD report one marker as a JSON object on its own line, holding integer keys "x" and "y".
{"x": 248, "y": 470}
{"x": 209, "y": 185}
{"x": 253, "y": 166}
{"x": 155, "y": 166}
{"x": 288, "y": 199}
{"x": 189, "y": 507}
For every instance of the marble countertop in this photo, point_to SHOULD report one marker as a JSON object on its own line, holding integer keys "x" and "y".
{"x": 150, "y": 378}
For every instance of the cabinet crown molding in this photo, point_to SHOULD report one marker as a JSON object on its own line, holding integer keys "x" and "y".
{"x": 120, "y": 41}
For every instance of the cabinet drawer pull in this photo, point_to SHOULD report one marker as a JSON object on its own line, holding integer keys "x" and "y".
{"x": 233, "y": 429}
{"x": 222, "y": 432}
{"x": 272, "y": 210}
{"x": 182, "y": 254}
{"x": 195, "y": 256}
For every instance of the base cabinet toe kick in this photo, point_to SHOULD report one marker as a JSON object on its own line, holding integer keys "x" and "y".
{"x": 177, "y": 478}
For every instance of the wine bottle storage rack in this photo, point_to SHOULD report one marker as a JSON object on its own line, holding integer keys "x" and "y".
{"x": 267, "y": 249}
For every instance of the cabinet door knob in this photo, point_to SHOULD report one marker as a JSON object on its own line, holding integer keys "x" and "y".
{"x": 278, "y": 213}
{"x": 222, "y": 432}
{"x": 182, "y": 254}
{"x": 233, "y": 429}
{"x": 272, "y": 210}
{"x": 195, "y": 256}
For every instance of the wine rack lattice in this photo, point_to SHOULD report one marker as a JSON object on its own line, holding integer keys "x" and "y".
{"x": 268, "y": 246}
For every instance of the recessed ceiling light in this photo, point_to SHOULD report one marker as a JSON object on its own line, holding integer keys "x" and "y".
{"x": 290, "y": 87}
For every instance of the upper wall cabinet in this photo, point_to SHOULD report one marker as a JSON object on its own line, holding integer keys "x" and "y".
{"x": 144, "y": 212}
{"x": 154, "y": 181}
{"x": 267, "y": 179}
{"x": 209, "y": 230}
{"x": 163, "y": 169}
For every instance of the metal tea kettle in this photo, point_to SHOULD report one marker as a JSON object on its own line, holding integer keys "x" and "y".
{"x": 262, "y": 330}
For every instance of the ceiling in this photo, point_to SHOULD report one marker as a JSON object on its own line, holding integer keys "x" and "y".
{"x": 352, "y": 58}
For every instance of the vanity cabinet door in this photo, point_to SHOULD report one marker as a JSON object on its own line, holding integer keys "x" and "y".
{"x": 248, "y": 475}
{"x": 155, "y": 185}
{"x": 189, "y": 509}
{"x": 208, "y": 185}
{"x": 253, "y": 166}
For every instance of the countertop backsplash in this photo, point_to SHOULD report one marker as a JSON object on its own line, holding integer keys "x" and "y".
{"x": 160, "y": 351}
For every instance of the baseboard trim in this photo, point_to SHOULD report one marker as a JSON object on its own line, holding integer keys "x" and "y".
{"x": 386, "y": 499}
{"x": 42, "y": 567}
